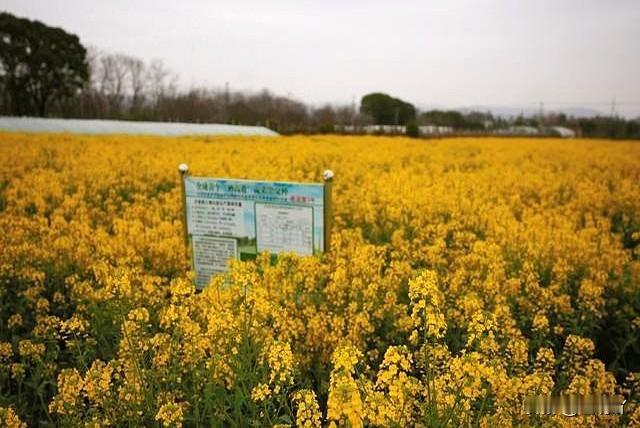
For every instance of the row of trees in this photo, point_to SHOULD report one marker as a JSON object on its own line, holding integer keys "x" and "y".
{"x": 46, "y": 71}
{"x": 593, "y": 127}
{"x": 123, "y": 87}
{"x": 472, "y": 121}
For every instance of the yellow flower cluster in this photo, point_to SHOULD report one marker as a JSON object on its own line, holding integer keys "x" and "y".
{"x": 9, "y": 419}
{"x": 15, "y": 320}
{"x": 393, "y": 398}
{"x": 279, "y": 360}
{"x": 426, "y": 303}
{"x": 69, "y": 396}
{"x": 170, "y": 415}
{"x": 30, "y": 350}
{"x": 345, "y": 401}
{"x": 464, "y": 274}
{"x": 308, "y": 411}
{"x": 6, "y": 352}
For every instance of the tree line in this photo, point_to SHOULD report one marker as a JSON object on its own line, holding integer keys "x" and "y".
{"x": 47, "y": 72}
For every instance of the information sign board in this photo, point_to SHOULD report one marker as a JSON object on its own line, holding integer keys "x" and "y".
{"x": 227, "y": 218}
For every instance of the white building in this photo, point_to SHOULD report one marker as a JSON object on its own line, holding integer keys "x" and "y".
{"x": 435, "y": 130}
{"x": 520, "y": 130}
{"x": 384, "y": 129}
{"x": 563, "y": 132}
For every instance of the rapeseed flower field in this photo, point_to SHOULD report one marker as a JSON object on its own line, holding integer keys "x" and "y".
{"x": 464, "y": 275}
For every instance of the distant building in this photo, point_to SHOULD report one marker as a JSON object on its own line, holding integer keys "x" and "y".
{"x": 563, "y": 132}
{"x": 424, "y": 130}
{"x": 435, "y": 130}
{"x": 384, "y": 129}
{"x": 520, "y": 130}
{"x": 371, "y": 129}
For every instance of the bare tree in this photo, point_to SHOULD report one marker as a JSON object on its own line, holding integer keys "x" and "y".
{"x": 126, "y": 87}
{"x": 93, "y": 60}
{"x": 156, "y": 76}
{"x": 323, "y": 118}
{"x": 113, "y": 81}
{"x": 135, "y": 71}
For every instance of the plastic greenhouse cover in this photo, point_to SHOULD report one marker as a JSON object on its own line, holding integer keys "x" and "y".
{"x": 95, "y": 126}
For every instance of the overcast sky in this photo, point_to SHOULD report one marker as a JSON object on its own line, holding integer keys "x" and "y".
{"x": 452, "y": 54}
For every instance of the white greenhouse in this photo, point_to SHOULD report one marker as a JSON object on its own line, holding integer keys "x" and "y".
{"x": 93, "y": 126}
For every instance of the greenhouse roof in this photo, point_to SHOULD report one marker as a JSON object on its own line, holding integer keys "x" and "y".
{"x": 95, "y": 126}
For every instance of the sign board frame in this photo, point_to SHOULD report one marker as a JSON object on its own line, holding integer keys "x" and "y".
{"x": 213, "y": 214}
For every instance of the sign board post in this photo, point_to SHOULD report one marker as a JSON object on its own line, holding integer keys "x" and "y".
{"x": 328, "y": 212}
{"x": 183, "y": 169}
{"x": 229, "y": 218}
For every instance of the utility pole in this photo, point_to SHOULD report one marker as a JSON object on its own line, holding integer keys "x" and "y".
{"x": 541, "y": 115}
{"x": 613, "y": 107}
{"x": 226, "y": 102}
{"x": 353, "y": 113}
